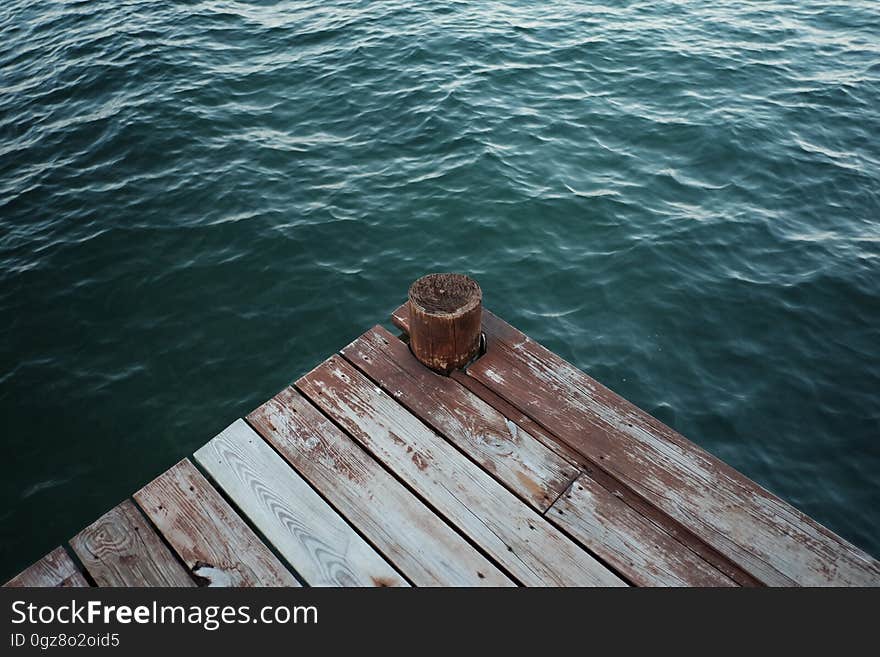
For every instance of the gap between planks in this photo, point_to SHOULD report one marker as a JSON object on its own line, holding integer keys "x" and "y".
{"x": 295, "y": 519}
{"x": 218, "y": 547}
{"x": 515, "y": 458}
{"x": 56, "y": 569}
{"x": 470, "y": 424}
{"x": 613, "y": 486}
{"x": 121, "y": 549}
{"x": 516, "y": 535}
{"x": 771, "y": 540}
{"x": 390, "y": 515}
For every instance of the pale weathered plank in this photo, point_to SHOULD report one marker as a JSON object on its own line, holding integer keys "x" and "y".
{"x": 635, "y": 502}
{"x": 514, "y": 534}
{"x": 299, "y": 524}
{"x": 509, "y": 453}
{"x": 410, "y": 535}
{"x": 636, "y": 547}
{"x": 121, "y": 549}
{"x": 56, "y": 569}
{"x": 763, "y": 535}
{"x": 210, "y": 537}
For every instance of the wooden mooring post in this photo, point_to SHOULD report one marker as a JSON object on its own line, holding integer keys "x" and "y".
{"x": 445, "y": 319}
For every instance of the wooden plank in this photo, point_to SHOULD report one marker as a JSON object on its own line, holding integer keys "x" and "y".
{"x": 635, "y": 502}
{"x": 400, "y": 318}
{"x": 54, "y": 570}
{"x": 512, "y": 413}
{"x": 514, "y": 534}
{"x": 413, "y": 537}
{"x": 623, "y": 492}
{"x": 509, "y": 453}
{"x": 656, "y": 557}
{"x": 642, "y": 552}
{"x": 765, "y": 536}
{"x": 121, "y": 549}
{"x": 305, "y": 529}
{"x": 212, "y": 540}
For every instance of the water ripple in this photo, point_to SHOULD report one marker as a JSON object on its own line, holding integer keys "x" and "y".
{"x": 201, "y": 200}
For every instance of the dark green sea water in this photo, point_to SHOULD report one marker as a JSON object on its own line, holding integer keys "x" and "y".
{"x": 201, "y": 200}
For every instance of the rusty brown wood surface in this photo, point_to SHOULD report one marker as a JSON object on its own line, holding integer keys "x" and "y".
{"x": 444, "y": 314}
{"x": 216, "y": 545}
{"x": 516, "y": 536}
{"x": 640, "y": 550}
{"x": 407, "y": 532}
{"x": 638, "y": 504}
{"x": 643, "y": 552}
{"x": 514, "y": 457}
{"x": 121, "y": 549}
{"x": 56, "y": 569}
{"x": 766, "y": 537}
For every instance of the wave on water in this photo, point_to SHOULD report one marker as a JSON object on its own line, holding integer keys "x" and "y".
{"x": 199, "y": 201}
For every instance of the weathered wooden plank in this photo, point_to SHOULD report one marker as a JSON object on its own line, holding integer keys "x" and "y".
{"x": 636, "y": 547}
{"x": 413, "y": 537}
{"x": 212, "y": 540}
{"x": 635, "y": 502}
{"x": 641, "y": 551}
{"x": 56, "y": 569}
{"x": 512, "y": 413}
{"x": 514, "y": 534}
{"x": 510, "y": 454}
{"x": 305, "y": 529}
{"x": 765, "y": 536}
{"x": 121, "y": 549}
{"x": 400, "y": 318}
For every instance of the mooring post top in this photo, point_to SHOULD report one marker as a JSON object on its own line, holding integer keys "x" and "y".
{"x": 445, "y": 320}
{"x": 445, "y": 294}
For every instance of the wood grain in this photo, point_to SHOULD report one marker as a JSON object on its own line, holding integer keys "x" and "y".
{"x": 636, "y": 547}
{"x": 212, "y": 540}
{"x": 514, "y": 457}
{"x": 121, "y": 549}
{"x": 515, "y": 535}
{"x": 760, "y": 533}
{"x": 444, "y": 314}
{"x": 56, "y": 569}
{"x": 639, "y": 547}
{"x": 299, "y": 524}
{"x": 635, "y": 502}
{"x": 408, "y": 533}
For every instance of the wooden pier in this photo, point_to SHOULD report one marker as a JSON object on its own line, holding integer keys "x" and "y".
{"x": 373, "y": 470}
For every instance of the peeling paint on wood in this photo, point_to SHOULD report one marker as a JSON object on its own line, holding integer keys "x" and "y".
{"x": 518, "y": 460}
{"x": 56, "y": 569}
{"x": 406, "y": 531}
{"x": 514, "y": 534}
{"x": 213, "y": 541}
{"x": 762, "y": 534}
{"x": 121, "y": 549}
{"x": 641, "y": 551}
{"x": 635, "y": 502}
